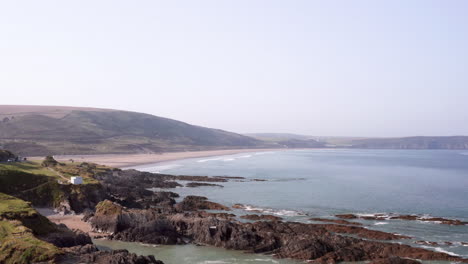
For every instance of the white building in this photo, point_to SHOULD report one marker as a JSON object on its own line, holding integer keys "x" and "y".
{"x": 76, "y": 180}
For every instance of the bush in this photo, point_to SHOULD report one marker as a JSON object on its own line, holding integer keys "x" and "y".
{"x": 49, "y": 161}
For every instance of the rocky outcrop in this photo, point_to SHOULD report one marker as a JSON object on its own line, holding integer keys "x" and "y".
{"x": 255, "y": 217}
{"x": 383, "y": 217}
{"x": 194, "y": 203}
{"x": 340, "y": 222}
{"x": 199, "y": 184}
{"x": 362, "y": 232}
{"x": 90, "y": 254}
{"x": 314, "y": 242}
{"x": 65, "y": 237}
{"x": 347, "y": 216}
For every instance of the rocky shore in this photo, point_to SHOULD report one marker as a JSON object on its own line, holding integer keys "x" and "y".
{"x": 311, "y": 242}
{"x": 127, "y": 210}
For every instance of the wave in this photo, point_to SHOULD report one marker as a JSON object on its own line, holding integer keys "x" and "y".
{"x": 439, "y": 249}
{"x": 159, "y": 168}
{"x": 264, "y": 153}
{"x": 279, "y": 212}
{"x": 381, "y": 223}
{"x": 224, "y": 158}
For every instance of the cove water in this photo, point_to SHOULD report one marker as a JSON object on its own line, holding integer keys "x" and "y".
{"x": 301, "y": 184}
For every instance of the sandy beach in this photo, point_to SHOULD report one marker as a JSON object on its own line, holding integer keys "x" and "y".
{"x": 71, "y": 221}
{"x": 129, "y": 160}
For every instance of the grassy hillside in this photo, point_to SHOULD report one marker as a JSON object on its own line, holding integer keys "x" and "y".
{"x": 56, "y": 130}
{"x": 285, "y": 140}
{"x": 19, "y": 226}
{"x": 32, "y": 182}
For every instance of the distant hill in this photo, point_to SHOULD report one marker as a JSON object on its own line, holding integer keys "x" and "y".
{"x": 420, "y": 142}
{"x": 41, "y": 130}
{"x": 278, "y": 136}
{"x": 289, "y": 140}
{"x": 453, "y": 142}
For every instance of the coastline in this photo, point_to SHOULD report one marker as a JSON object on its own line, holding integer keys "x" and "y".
{"x": 131, "y": 160}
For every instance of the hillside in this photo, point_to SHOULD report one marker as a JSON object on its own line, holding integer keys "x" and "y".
{"x": 455, "y": 142}
{"x": 42, "y": 130}
{"x": 286, "y": 140}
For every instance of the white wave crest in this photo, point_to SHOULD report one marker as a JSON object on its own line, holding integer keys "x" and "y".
{"x": 439, "y": 249}
{"x": 159, "y": 168}
{"x": 279, "y": 212}
{"x": 381, "y": 223}
{"x": 212, "y": 159}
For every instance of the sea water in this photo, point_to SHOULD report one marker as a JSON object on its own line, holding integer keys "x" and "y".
{"x": 301, "y": 184}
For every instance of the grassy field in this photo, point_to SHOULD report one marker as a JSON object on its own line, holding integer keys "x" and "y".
{"x": 10, "y": 205}
{"x": 33, "y": 167}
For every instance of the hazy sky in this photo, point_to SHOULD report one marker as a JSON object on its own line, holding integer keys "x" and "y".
{"x": 356, "y": 68}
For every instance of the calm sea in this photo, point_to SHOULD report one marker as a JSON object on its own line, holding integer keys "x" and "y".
{"x": 301, "y": 184}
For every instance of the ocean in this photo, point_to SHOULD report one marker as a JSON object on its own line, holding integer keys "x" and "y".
{"x": 300, "y": 184}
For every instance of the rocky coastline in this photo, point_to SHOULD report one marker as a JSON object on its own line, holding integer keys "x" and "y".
{"x": 134, "y": 206}
{"x": 132, "y": 213}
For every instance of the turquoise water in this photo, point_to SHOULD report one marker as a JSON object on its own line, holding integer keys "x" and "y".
{"x": 321, "y": 183}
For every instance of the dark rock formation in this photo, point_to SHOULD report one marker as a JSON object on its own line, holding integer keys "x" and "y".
{"x": 255, "y": 217}
{"x": 90, "y": 254}
{"x": 65, "y": 237}
{"x": 193, "y": 203}
{"x": 382, "y": 217}
{"x": 363, "y": 232}
{"x": 340, "y": 222}
{"x": 347, "y": 216}
{"x": 198, "y": 184}
{"x": 314, "y": 242}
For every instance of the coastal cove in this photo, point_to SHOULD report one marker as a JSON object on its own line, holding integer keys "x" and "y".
{"x": 304, "y": 184}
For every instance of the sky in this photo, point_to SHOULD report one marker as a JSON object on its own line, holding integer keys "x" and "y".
{"x": 324, "y": 68}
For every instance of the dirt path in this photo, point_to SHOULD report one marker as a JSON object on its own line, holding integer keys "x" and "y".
{"x": 59, "y": 174}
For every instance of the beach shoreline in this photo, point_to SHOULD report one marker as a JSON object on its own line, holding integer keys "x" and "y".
{"x": 72, "y": 221}
{"x": 132, "y": 160}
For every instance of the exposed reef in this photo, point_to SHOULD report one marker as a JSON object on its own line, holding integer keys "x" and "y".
{"x": 319, "y": 243}
{"x": 383, "y": 217}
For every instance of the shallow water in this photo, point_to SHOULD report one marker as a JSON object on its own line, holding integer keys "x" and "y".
{"x": 321, "y": 183}
{"x": 191, "y": 254}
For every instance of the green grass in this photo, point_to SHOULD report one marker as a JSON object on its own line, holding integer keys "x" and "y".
{"x": 10, "y": 206}
{"x": 39, "y": 185}
{"x": 18, "y": 225}
{"x": 67, "y": 170}
{"x": 32, "y": 167}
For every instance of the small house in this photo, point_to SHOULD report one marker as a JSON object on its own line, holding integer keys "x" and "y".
{"x": 76, "y": 180}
